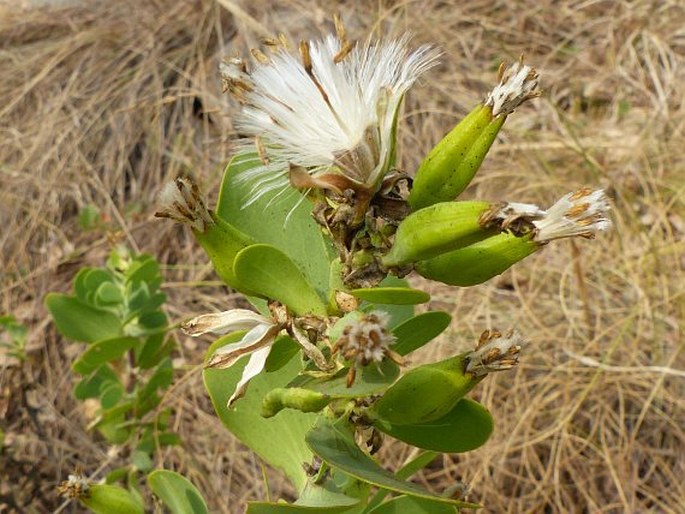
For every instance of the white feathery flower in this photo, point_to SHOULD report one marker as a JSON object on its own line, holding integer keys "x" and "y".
{"x": 333, "y": 109}
{"x": 579, "y": 214}
{"x": 262, "y": 332}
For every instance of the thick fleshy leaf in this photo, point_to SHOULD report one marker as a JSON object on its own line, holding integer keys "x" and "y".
{"x": 103, "y": 351}
{"x": 108, "y": 294}
{"x": 398, "y": 313}
{"x": 419, "y": 330}
{"x": 407, "y": 470}
{"x": 466, "y": 427}
{"x": 334, "y": 445}
{"x": 313, "y": 499}
{"x": 87, "y": 282}
{"x": 266, "y": 270}
{"x": 92, "y": 385}
{"x": 284, "y": 222}
{"x": 153, "y": 350}
{"x": 392, "y": 295}
{"x": 283, "y": 349}
{"x": 176, "y": 492}
{"x": 278, "y": 440}
{"x": 290, "y": 508}
{"x": 409, "y": 504}
{"x": 370, "y": 380}
{"x": 81, "y": 322}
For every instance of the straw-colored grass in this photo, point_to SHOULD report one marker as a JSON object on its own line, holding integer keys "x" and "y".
{"x": 103, "y": 103}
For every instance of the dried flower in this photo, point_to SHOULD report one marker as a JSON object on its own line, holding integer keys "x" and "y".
{"x": 76, "y": 486}
{"x": 180, "y": 200}
{"x": 582, "y": 213}
{"x": 495, "y": 352}
{"x": 579, "y": 214}
{"x": 366, "y": 340}
{"x": 261, "y": 334}
{"x": 517, "y": 83}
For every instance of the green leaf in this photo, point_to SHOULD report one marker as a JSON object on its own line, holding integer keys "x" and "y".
{"x": 91, "y": 386}
{"x": 81, "y": 322}
{"x": 419, "y": 330}
{"x": 398, "y": 313}
{"x": 176, "y": 492}
{"x": 80, "y": 287}
{"x": 89, "y": 217}
{"x": 300, "y": 238}
{"x": 101, "y": 352}
{"x": 409, "y": 504}
{"x": 91, "y": 281}
{"x": 371, "y": 380}
{"x": 407, "y": 470}
{"x": 153, "y": 350}
{"x": 110, "y": 394}
{"x": 313, "y": 499}
{"x": 144, "y": 269}
{"x": 152, "y": 320}
{"x": 289, "y": 508}
{"x": 141, "y": 460}
{"x": 466, "y": 427}
{"x": 146, "y": 397}
{"x": 282, "y": 351}
{"x": 108, "y": 293}
{"x": 278, "y": 440}
{"x": 392, "y": 295}
{"x": 266, "y": 270}
{"x": 335, "y": 446}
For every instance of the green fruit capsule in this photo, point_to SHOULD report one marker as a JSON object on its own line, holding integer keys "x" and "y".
{"x": 479, "y": 262}
{"x": 451, "y": 165}
{"x": 181, "y": 201}
{"x": 425, "y": 393}
{"x": 111, "y": 499}
{"x": 453, "y": 162}
{"x": 438, "y": 229}
{"x": 303, "y": 400}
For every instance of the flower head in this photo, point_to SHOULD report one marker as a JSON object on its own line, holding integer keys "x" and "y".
{"x": 366, "y": 340}
{"x": 517, "y": 83}
{"x": 260, "y": 336}
{"x": 181, "y": 200}
{"x": 495, "y": 352}
{"x": 579, "y": 214}
{"x": 331, "y": 111}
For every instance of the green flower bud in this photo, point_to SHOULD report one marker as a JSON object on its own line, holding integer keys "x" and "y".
{"x": 111, "y": 499}
{"x": 451, "y": 165}
{"x": 100, "y": 498}
{"x": 181, "y": 201}
{"x": 303, "y": 400}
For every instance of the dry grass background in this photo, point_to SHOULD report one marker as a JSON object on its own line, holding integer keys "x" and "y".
{"x": 103, "y": 103}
